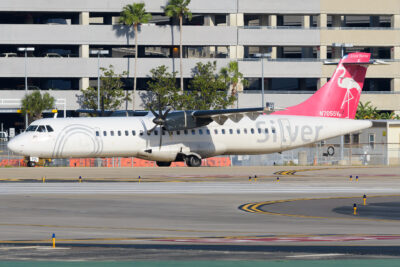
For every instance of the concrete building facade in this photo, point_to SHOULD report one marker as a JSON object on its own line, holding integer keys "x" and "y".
{"x": 299, "y": 35}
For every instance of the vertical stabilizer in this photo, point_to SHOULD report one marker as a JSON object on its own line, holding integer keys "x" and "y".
{"x": 339, "y": 97}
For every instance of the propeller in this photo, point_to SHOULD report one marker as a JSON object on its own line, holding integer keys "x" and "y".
{"x": 159, "y": 119}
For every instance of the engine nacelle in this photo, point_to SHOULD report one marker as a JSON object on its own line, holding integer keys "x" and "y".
{"x": 183, "y": 120}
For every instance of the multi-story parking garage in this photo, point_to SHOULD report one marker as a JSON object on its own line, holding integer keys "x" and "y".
{"x": 299, "y": 35}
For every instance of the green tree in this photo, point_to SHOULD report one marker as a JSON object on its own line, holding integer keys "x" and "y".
{"x": 208, "y": 90}
{"x": 233, "y": 78}
{"x": 112, "y": 94}
{"x": 179, "y": 9}
{"x": 368, "y": 112}
{"x": 134, "y": 15}
{"x": 33, "y": 104}
{"x": 163, "y": 84}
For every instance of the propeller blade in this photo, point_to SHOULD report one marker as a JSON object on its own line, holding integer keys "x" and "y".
{"x": 152, "y": 111}
{"x": 161, "y": 132}
{"x": 152, "y": 129}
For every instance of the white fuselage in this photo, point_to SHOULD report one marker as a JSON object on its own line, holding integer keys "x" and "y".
{"x": 127, "y": 137}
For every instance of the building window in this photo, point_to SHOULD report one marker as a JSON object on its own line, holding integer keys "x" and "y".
{"x": 356, "y": 139}
{"x": 371, "y": 140}
{"x": 347, "y": 139}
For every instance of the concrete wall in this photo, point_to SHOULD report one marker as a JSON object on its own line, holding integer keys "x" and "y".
{"x": 280, "y": 37}
{"x": 115, "y": 35}
{"x": 197, "y": 6}
{"x": 281, "y": 6}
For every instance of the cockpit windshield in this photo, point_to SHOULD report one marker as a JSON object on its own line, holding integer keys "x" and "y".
{"x": 40, "y": 128}
{"x": 32, "y": 128}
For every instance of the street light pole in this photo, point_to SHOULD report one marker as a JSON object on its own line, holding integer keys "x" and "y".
{"x": 262, "y": 56}
{"x": 98, "y": 53}
{"x": 25, "y": 50}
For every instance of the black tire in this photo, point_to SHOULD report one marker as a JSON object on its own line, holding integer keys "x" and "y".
{"x": 31, "y": 164}
{"x": 163, "y": 164}
{"x": 193, "y": 161}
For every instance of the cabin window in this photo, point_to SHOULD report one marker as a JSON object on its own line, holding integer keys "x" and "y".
{"x": 104, "y": 133}
{"x": 252, "y": 131}
{"x": 356, "y": 139}
{"x": 223, "y": 131}
{"x": 32, "y": 128}
{"x": 216, "y": 131}
{"x": 259, "y": 130}
{"x": 41, "y": 129}
{"x": 273, "y": 130}
{"x": 49, "y": 128}
{"x": 266, "y": 130}
{"x": 163, "y": 132}
{"x": 200, "y": 131}
{"x": 238, "y": 131}
{"x": 193, "y": 132}
{"x": 97, "y": 133}
{"x": 133, "y": 132}
{"x": 126, "y": 133}
{"x": 155, "y": 132}
{"x": 148, "y": 133}
{"x": 178, "y": 132}
{"x": 245, "y": 131}
{"x": 171, "y": 133}
{"x": 141, "y": 133}
{"x": 185, "y": 132}
{"x": 119, "y": 133}
{"x": 112, "y": 133}
{"x": 230, "y": 131}
{"x": 208, "y": 131}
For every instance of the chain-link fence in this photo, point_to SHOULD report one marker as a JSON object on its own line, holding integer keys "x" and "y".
{"x": 317, "y": 154}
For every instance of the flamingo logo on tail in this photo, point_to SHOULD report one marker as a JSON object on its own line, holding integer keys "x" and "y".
{"x": 347, "y": 83}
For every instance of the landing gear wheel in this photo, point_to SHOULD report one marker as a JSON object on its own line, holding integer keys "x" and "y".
{"x": 31, "y": 164}
{"x": 163, "y": 164}
{"x": 193, "y": 161}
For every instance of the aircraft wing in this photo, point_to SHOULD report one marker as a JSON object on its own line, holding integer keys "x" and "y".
{"x": 222, "y": 115}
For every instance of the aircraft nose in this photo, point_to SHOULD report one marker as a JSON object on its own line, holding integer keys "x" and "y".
{"x": 14, "y": 145}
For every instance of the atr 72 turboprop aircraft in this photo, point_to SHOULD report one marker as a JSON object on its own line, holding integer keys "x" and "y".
{"x": 193, "y": 135}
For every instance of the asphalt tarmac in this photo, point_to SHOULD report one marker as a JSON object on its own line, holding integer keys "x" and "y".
{"x": 199, "y": 213}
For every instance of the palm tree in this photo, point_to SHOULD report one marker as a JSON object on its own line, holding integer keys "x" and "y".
{"x": 134, "y": 15}
{"x": 233, "y": 78}
{"x": 179, "y": 9}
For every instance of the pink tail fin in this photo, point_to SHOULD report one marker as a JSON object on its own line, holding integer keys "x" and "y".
{"x": 339, "y": 97}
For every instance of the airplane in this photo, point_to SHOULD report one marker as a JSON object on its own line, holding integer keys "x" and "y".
{"x": 191, "y": 136}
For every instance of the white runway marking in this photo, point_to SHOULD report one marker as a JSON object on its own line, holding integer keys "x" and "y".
{"x": 190, "y": 188}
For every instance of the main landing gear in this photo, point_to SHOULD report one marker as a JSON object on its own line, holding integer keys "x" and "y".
{"x": 193, "y": 161}
{"x": 163, "y": 164}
